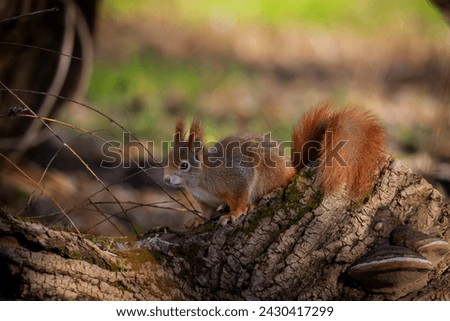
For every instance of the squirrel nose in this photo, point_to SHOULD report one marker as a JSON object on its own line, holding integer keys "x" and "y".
{"x": 167, "y": 179}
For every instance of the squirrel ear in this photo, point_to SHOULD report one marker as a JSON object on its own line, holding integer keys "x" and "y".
{"x": 179, "y": 131}
{"x": 196, "y": 136}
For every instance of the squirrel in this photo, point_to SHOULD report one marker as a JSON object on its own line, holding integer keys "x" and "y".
{"x": 346, "y": 146}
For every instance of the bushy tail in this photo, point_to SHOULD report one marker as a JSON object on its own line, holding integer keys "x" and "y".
{"x": 347, "y": 146}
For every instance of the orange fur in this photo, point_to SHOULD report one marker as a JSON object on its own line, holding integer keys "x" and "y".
{"x": 348, "y": 146}
{"x": 195, "y": 135}
{"x": 179, "y": 131}
{"x": 308, "y": 135}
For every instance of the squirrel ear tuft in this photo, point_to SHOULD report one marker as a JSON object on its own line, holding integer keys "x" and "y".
{"x": 179, "y": 131}
{"x": 196, "y": 135}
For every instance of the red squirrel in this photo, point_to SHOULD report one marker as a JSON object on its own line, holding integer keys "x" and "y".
{"x": 346, "y": 146}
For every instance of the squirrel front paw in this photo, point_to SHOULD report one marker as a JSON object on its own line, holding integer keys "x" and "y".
{"x": 234, "y": 215}
{"x": 224, "y": 219}
{"x": 195, "y": 222}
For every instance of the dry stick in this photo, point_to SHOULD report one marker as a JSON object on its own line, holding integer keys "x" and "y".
{"x": 89, "y": 200}
{"x": 48, "y": 166}
{"x": 34, "y": 13}
{"x": 82, "y": 204}
{"x": 106, "y": 218}
{"x": 28, "y": 204}
{"x": 137, "y": 205}
{"x": 40, "y": 48}
{"x": 42, "y": 178}
{"x": 72, "y": 151}
{"x": 125, "y": 130}
{"x": 55, "y": 155}
{"x": 62, "y": 123}
{"x": 42, "y": 189}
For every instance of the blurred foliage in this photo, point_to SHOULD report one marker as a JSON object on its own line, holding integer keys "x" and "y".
{"x": 361, "y": 16}
{"x": 144, "y": 90}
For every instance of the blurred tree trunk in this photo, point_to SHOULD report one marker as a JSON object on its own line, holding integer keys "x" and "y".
{"x": 444, "y": 6}
{"x": 296, "y": 246}
{"x": 46, "y": 47}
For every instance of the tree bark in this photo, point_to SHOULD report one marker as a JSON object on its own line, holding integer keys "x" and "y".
{"x": 46, "y": 51}
{"x": 297, "y": 245}
{"x": 444, "y": 7}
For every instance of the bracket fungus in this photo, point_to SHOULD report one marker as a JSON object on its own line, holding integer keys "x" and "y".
{"x": 390, "y": 269}
{"x": 433, "y": 248}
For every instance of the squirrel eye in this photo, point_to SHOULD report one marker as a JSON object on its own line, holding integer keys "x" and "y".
{"x": 184, "y": 166}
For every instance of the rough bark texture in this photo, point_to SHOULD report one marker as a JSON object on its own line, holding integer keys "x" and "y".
{"x": 43, "y": 264}
{"x": 297, "y": 245}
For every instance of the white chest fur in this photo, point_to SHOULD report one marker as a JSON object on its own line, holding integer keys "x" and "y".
{"x": 205, "y": 197}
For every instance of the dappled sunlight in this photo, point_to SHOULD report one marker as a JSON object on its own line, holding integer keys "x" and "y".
{"x": 239, "y": 65}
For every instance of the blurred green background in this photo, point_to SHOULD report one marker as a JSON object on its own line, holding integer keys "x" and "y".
{"x": 364, "y": 16}
{"x": 157, "y": 60}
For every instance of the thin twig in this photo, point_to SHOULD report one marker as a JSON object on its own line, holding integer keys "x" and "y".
{"x": 86, "y": 166}
{"x": 89, "y": 200}
{"x": 48, "y": 166}
{"x": 111, "y": 120}
{"x": 142, "y": 205}
{"x": 105, "y": 216}
{"x": 137, "y": 203}
{"x": 30, "y": 14}
{"x": 42, "y": 189}
{"x": 40, "y": 48}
